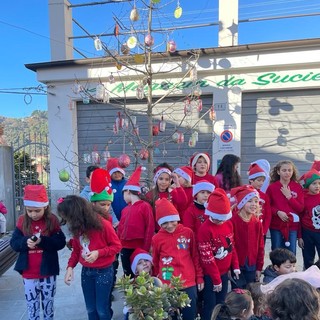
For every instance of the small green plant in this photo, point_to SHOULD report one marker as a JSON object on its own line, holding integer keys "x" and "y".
{"x": 149, "y": 299}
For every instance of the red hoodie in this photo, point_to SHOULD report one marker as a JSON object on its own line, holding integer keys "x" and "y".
{"x": 310, "y": 217}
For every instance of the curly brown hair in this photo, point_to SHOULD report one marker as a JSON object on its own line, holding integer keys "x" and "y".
{"x": 274, "y": 175}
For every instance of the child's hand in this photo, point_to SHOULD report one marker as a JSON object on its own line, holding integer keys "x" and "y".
{"x": 236, "y": 273}
{"x": 200, "y": 286}
{"x": 217, "y": 288}
{"x": 175, "y": 180}
{"x": 283, "y": 216}
{"x": 92, "y": 256}
{"x": 68, "y": 278}
{"x": 258, "y": 275}
{"x": 301, "y": 243}
{"x": 33, "y": 244}
{"x": 286, "y": 192}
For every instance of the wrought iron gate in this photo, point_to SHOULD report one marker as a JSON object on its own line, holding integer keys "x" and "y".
{"x": 31, "y": 163}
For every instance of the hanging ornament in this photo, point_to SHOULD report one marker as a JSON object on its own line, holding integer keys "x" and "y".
{"x": 64, "y": 175}
{"x": 106, "y": 98}
{"x": 199, "y": 105}
{"x": 157, "y": 151}
{"x": 196, "y": 135}
{"x": 187, "y": 107}
{"x": 116, "y": 30}
{"x": 87, "y": 158}
{"x": 140, "y": 92}
{"x": 119, "y": 66}
{"x": 148, "y": 40}
{"x": 132, "y": 42}
{"x": 106, "y": 155}
{"x": 155, "y": 130}
{"x": 111, "y": 78}
{"x": 115, "y": 129}
{"x": 143, "y": 154}
{"x": 171, "y": 46}
{"x": 178, "y": 11}
{"x": 180, "y": 137}
{"x": 138, "y": 58}
{"x": 175, "y": 137}
{"x": 134, "y": 120}
{"x": 124, "y": 161}
{"x": 192, "y": 142}
{"x": 125, "y": 123}
{"x": 162, "y": 125}
{"x": 212, "y": 114}
{"x": 119, "y": 121}
{"x": 100, "y": 91}
{"x": 134, "y": 14}
{"x": 136, "y": 130}
{"x": 194, "y": 74}
{"x": 97, "y": 44}
{"x": 95, "y": 157}
{"x": 125, "y": 49}
{"x": 197, "y": 91}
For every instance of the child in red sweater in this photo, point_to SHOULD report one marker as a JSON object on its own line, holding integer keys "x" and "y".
{"x": 310, "y": 218}
{"x": 95, "y": 245}
{"x": 136, "y": 226}
{"x": 248, "y": 235}
{"x": 194, "y": 216}
{"x": 286, "y": 201}
{"x": 175, "y": 253}
{"x": 217, "y": 252}
{"x": 257, "y": 177}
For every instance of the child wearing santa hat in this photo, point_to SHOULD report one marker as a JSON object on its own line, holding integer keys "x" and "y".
{"x": 163, "y": 188}
{"x": 118, "y": 181}
{"x": 185, "y": 175}
{"x": 248, "y": 235}
{"x": 287, "y": 203}
{"x": 38, "y": 238}
{"x": 257, "y": 177}
{"x": 175, "y": 253}
{"x": 136, "y": 226}
{"x": 217, "y": 250}
{"x": 310, "y": 217}
{"x": 200, "y": 163}
{"x": 194, "y": 216}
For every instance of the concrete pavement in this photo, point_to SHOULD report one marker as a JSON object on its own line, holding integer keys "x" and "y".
{"x": 69, "y": 302}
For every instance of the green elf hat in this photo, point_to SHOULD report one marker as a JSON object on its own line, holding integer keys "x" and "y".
{"x": 309, "y": 177}
{"x": 102, "y": 196}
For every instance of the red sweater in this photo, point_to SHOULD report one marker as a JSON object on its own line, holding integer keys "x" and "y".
{"x": 248, "y": 237}
{"x": 265, "y": 216}
{"x": 208, "y": 177}
{"x": 176, "y": 254}
{"x": 3, "y": 208}
{"x": 216, "y": 247}
{"x": 310, "y": 217}
{"x": 194, "y": 217}
{"x": 279, "y": 202}
{"x": 105, "y": 241}
{"x": 136, "y": 226}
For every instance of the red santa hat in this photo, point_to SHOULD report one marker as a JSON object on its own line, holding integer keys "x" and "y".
{"x": 202, "y": 185}
{"x": 185, "y": 172}
{"x": 309, "y": 177}
{"x": 196, "y": 156}
{"x": 166, "y": 211}
{"x": 113, "y": 166}
{"x": 316, "y": 165}
{"x": 133, "y": 183}
{"x": 159, "y": 171}
{"x": 137, "y": 255}
{"x": 35, "y": 196}
{"x": 255, "y": 171}
{"x": 285, "y": 230}
{"x": 243, "y": 194}
{"x": 100, "y": 180}
{"x": 218, "y": 205}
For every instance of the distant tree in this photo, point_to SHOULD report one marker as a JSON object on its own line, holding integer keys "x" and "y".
{"x": 25, "y": 171}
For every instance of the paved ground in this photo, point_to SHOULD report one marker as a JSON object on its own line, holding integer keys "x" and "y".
{"x": 69, "y": 303}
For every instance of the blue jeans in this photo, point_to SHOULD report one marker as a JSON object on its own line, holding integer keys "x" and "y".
{"x": 277, "y": 240}
{"x": 311, "y": 241}
{"x": 212, "y": 298}
{"x": 189, "y": 313}
{"x": 96, "y": 287}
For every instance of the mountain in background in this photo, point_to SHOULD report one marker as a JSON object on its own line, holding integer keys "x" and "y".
{"x": 20, "y": 132}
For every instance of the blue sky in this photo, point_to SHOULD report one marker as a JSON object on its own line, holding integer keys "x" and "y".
{"x": 24, "y": 34}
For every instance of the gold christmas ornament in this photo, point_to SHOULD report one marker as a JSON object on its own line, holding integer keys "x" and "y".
{"x": 134, "y": 15}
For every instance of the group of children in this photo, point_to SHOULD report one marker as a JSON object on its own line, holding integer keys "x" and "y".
{"x": 207, "y": 229}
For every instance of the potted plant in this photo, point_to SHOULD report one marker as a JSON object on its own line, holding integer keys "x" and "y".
{"x": 149, "y": 299}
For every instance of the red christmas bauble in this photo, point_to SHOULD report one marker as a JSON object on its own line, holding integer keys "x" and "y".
{"x": 144, "y": 154}
{"x": 155, "y": 130}
{"x": 124, "y": 161}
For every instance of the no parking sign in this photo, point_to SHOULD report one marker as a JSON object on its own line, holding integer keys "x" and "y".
{"x": 226, "y": 140}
